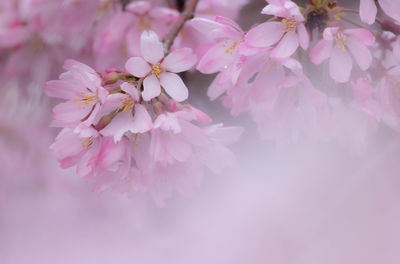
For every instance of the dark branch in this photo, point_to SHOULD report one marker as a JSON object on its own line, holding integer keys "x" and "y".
{"x": 187, "y": 14}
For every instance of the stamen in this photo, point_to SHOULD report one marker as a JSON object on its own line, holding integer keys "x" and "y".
{"x": 87, "y": 142}
{"x": 289, "y": 25}
{"x": 157, "y": 70}
{"x": 127, "y": 104}
{"x": 84, "y": 99}
{"x": 229, "y": 49}
{"x": 341, "y": 41}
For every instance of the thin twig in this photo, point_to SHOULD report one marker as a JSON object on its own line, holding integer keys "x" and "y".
{"x": 187, "y": 14}
{"x": 345, "y": 10}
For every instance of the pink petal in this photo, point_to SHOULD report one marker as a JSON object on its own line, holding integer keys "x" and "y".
{"x": 361, "y": 54}
{"x": 70, "y": 111}
{"x": 180, "y": 60}
{"x": 304, "y": 38}
{"x": 321, "y": 51}
{"x": 368, "y": 11}
{"x": 396, "y": 49}
{"x": 151, "y": 48}
{"x": 178, "y": 148}
{"x": 137, "y": 67}
{"x": 361, "y": 90}
{"x": 286, "y": 47}
{"x": 225, "y": 135}
{"x": 216, "y": 89}
{"x": 64, "y": 89}
{"x": 141, "y": 120}
{"x": 139, "y": 7}
{"x": 151, "y": 88}
{"x": 265, "y": 34}
{"x": 204, "y": 25}
{"x": 340, "y": 65}
{"x": 330, "y": 33}
{"x": 174, "y": 86}
{"x": 229, "y": 22}
{"x": 215, "y": 59}
{"x": 391, "y": 8}
{"x": 362, "y": 35}
{"x": 131, "y": 90}
{"x": 123, "y": 122}
{"x": 227, "y": 33}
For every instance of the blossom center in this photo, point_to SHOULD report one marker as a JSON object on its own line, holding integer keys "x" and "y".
{"x": 289, "y": 25}
{"x": 84, "y": 99}
{"x": 143, "y": 24}
{"x": 87, "y": 142}
{"x": 157, "y": 70}
{"x": 341, "y": 41}
{"x": 127, "y": 104}
{"x": 229, "y": 47}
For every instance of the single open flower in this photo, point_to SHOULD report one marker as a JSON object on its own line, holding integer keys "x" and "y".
{"x": 157, "y": 70}
{"x": 337, "y": 44}
{"x": 81, "y": 87}
{"x": 289, "y": 32}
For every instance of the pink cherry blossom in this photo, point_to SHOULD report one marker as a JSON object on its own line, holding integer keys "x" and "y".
{"x": 132, "y": 116}
{"x": 223, "y": 53}
{"x": 337, "y": 45}
{"x": 158, "y": 71}
{"x": 368, "y": 10}
{"x": 178, "y": 150}
{"x": 288, "y": 33}
{"x": 73, "y": 149}
{"x": 82, "y": 87}
{"x": 364, "y": 97}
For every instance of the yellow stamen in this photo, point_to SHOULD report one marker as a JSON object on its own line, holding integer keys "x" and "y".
{"x": 229, "y": 49}
{"x": 341, "y": 41}
{"x": 84, "y": 99}
{"x": 127, "y": 105}
{"x": 289, "y": 25}
{"x": 87, "y": 142}
{"x": 157, "y": 70}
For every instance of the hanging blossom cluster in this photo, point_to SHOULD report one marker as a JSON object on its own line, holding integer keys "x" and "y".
{"x": 315, "y": 69}
{"x": 306, "y": 67}
{"x": 129, "y": 131}
{"x": 37, "y": 36}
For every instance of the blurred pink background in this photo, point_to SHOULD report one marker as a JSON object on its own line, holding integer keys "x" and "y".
{"x": 312, "y": 202}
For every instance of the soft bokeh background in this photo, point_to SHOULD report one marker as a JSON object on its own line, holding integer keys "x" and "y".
{"x": 312, "y": 202}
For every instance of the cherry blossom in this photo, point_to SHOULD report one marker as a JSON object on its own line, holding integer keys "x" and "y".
{"x": 368, "y": 10}
{"x": 158, "y": 71}
{"x": 288, "y": 33}
{"x": 82, "y": 87}
{"x": 337, "y": 45}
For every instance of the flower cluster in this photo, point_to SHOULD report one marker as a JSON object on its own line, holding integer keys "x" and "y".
{"x": 128, "y": 130}
{"x": 263, "y": 71}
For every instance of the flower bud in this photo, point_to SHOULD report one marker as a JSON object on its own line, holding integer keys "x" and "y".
{"x": 111, "y": 78}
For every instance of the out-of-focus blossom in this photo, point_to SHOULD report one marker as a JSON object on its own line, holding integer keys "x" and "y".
{"x": 337, "y": 45}
{"x": 368, "y": 9}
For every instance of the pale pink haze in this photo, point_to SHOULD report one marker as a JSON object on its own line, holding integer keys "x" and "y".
{"x": 158, "y": 71}
{"x": 341, "y": 47}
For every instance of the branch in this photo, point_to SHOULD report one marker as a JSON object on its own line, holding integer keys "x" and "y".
{"x": 187, "y": 14}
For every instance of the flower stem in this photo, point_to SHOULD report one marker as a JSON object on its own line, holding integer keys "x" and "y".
{"x": 188, "y": 13}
